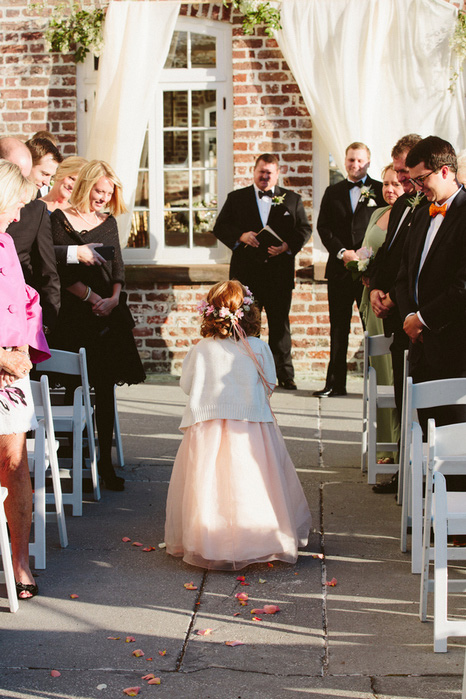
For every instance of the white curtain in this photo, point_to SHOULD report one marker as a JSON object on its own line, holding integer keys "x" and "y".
{"x": 137, "y": 37}
{"x": 374, "y": 70}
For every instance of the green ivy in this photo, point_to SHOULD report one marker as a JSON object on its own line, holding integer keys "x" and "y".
{"x": 458, "y": 44}
{"x": 257, "y": 12}
{"x": 80, "y": 31}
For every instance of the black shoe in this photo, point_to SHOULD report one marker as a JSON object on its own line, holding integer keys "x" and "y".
{"x": 289, "y": 384}
{"x": 29, "y": 591}
{"x": 390, "y": 486}
{"x": 110, "y": 480}
{"x": 329, "y": 392}
{"x": 336, "y": 392}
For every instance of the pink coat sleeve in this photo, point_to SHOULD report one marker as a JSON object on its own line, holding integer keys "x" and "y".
{"x": 38, "y": 348}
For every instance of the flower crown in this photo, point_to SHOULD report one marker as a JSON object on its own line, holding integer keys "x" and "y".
{"x": 224, "y": 313}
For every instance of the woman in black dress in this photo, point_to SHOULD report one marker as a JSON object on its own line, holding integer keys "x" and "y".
{"x": 93, "y": 310}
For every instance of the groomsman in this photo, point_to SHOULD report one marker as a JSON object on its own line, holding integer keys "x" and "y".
{"x": 245, "y": 212}
{"x": 431, "y": 285}
{"x": 344, "y": 214}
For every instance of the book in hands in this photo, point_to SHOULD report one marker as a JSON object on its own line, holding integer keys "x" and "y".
{"x": 266, "y": 239}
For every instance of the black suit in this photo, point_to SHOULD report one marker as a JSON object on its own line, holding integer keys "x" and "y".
{"x": 32, "y": 236}
{"x": 272, "y": 281}
{"x": 441, "y": 294}
{"x": 339, "y": 227}
{"x": 384, "y": 271}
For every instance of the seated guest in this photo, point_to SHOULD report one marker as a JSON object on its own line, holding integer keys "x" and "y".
{"x": 21, "y": 343}
{"x": 94, "y": 313}
{"x": 388, "y": 424}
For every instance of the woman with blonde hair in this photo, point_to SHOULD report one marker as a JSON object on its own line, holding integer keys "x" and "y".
{"x": 93, "y": 310}
{"x": 22, "y": 342}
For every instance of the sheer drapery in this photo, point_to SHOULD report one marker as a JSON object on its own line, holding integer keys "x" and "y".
{"x": 137, "y": 38}
{"x": 374, "y": 70}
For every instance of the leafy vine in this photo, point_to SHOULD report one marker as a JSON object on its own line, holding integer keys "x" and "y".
{"x": 257, "y": 12}
{"x": 458, "y": 44}
{"x": 79, "y": 30}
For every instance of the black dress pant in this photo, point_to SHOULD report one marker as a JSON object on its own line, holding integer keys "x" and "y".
{"x": 277, "y": 306}
{"x": 342, "y": 293}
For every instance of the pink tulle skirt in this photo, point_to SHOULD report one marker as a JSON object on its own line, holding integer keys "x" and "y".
{"x": 234, "y": 497}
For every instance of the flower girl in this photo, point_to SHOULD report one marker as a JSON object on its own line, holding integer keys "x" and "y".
{"x": 234, "y": 496}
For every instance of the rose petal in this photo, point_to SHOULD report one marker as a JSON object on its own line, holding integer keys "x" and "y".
{"x": 126, "y": 539}
{"x": 332, "y": 582}
{"x": 136, "y": 543}
{"x": 270, "y": 565}
{"x": 245, "y": 583}
{"x": 156, "y": 680}
{"x": 114, "y": 638}
{"x": 237, "y": 614}
{"x": 241, "y": 578}
{"x": 257, "y": 611}
{"x": 55, "y": 673}
{"x": 317, "y": 555}
{"x": 271, "y": 608}
{"x": 242, "y": 596}
{"x": 234, "y": 643}
{"x": 256, "y": 618}
{"x": 132, "y": 691}
{"x": 262, "y": 581}
{"x": 130, "y": 639}
{"x": 74, "y": 596}
{"x": 138, "y": 653}
{"x": 243, "y": 603}
{"x": 149, "y": 658}
{"x": 190, "y": 586}
{"x": 148, "y": 548}
{"x": 204, "y": 632}
{"x": 150, "y": 676}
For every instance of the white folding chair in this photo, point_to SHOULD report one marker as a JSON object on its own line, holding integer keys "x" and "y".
{"x": 41, "y": 398}
{"x": 429, "y": 394}
{"x": 37, "y": 465}
{"x": 118, "y": 441}
{"x": 446, "y": 513}
{"x": 75, "y": 419}
{"x": 374, "y": 398}
{"x": 6, "y": 556}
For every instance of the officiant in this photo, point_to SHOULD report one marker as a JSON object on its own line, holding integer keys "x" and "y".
{"x": 269, "y": 274}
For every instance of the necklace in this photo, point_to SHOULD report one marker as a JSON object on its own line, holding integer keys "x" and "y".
{"x": 85, "y": 221}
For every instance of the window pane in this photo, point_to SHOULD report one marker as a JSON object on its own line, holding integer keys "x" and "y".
{"x": 204, "y": 145}
{"x": 175, "y": 108}
{"x": 205, "y": 187}
{"x": 178, "y": 52}
{"x": 175, "y": 148}
{"x": 176, "y": 188}
{"x": 203, "y": 51}
{"x": 203, "y": 223}
{"x": 139, "y": 236}
{"x": 144, "y": 163}
{"x": 177, "y": 228}
{"x": 142, "y": 190}
{"x": 203, "y": 105}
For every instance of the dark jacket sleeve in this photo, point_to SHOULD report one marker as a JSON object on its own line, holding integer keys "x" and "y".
{"x": 325, "y": 223}
{"x": 226, "y": 227}
{"x": 61, "y": 253}
{"x": 44, "y": 267}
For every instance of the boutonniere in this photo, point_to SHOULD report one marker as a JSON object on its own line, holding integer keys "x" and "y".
{"x": 276, "y": 201}
{"x": 416, "y": 200}
{"x": 367, "y": 193}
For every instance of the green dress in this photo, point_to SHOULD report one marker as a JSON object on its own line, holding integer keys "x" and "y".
{"x": 388, "y": 426}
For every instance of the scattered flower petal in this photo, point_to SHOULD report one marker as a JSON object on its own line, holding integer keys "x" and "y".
{"x": 245, "y": 583}
{"x": 132, "y": 691}
{"x": 257, "y": 611}
{"x": 256, "y": 618}
{"x": 234, "y": 643}
{"x": 204, "y": 632}
{"x": 130, "y": 639}
{"x": 114, "y": 638}
{"x": 126, "y": 539}
{"x": 101, "y": 686}
{"x": 162, "y": 545}
{"x": 241, "y": 578}
{"x": 150, "y": 676}
{"x": 242, "y": 596}
{"x": 149, "y": 658}
{"x": 74, "y": 596}
{"x": 156, "y": 680}
{"x": 262, "y": 581}
{"x": 162, "y": 652}
{"x": 271, "y": 608}
{"x": 190, "y": 586}
{"x": 332, "y": 582}
{"x": 55, "y": 673}
{"x": 237, "y": 614}
{"x": 317, "y": 555}
{"x": 138, "y": 653}
{"x": 149, "y": 548}
{"x": 270, "y": 565}
{"x": 243, "y": 604}
{"x": 136, "y": 543}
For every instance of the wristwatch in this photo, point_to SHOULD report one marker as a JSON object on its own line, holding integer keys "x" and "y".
{"x": 340, "y": 253}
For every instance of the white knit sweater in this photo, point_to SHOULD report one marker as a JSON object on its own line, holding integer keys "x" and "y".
{"x": 222, "y": 381}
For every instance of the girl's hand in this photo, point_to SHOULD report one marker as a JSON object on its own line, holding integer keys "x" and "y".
{"x": 16, "y": 363}
{"x": 104, "y": 307}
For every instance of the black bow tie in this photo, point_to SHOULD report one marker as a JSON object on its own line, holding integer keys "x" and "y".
{"x": 355, "y": 184}
{"x": 268, "y": 193}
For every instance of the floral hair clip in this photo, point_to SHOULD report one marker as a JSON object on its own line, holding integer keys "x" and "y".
{"x": 224, "y": 313}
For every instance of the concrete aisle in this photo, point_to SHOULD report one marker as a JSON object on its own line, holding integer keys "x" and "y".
{"x": 360, "y": 639}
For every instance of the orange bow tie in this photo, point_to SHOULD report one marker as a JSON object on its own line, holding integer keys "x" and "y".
{"x": 434, "y": 210}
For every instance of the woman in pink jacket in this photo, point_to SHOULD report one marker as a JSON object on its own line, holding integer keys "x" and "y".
{"x": 22, "y": 343}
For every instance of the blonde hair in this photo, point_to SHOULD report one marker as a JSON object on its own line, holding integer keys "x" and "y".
{"x": 388, "y": 167}
{"x": 70, "y": 166}
{"x": 14, "y": 187}
{"x": 229, "y": 295}
{"x": 87, "y": 178}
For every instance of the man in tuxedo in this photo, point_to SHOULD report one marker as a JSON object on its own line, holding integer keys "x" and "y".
{"x": 344, "y": 214}
{"x": 431, "y": 284}
{"x": 271, "y": 280}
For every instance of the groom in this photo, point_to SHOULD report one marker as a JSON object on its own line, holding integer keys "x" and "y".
{"x": 245, "y": 212}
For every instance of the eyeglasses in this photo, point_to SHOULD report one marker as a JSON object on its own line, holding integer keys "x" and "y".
{"x": 420, "y": 180}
